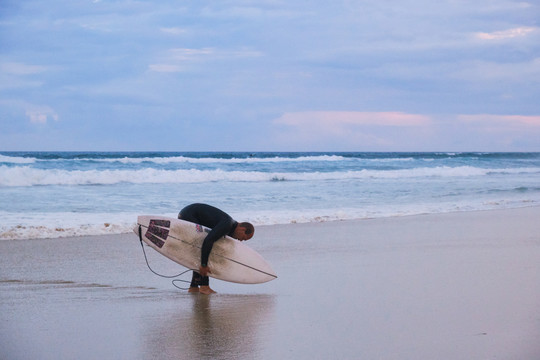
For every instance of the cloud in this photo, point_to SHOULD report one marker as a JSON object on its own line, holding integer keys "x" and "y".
{"x": 173, "y": 30}
{"x": 399, "y": 131}
{"x": 175, "y": 60}
{"x": 255, "y": 10}
{"x": 338, "y": 119}
{"x": 506, "y": 34}
{"x": 165, "y": 68}
{"x": 190, "y": 54}
{"x": 350, "y": 130}
{"x": 483, "y": 72}
{"x": 501, "y": 132}
{"x": 41, "y": 114}
{"x": 504, "y": 120}
{"x": 17, "y": 68}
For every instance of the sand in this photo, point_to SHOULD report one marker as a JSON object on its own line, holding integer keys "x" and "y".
{"x": 450, "y": 286}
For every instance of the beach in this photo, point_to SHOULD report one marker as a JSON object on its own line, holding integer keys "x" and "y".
{"x": 461, "y": 285}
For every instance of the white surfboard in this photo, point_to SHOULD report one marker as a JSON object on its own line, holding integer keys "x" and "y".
{"x": 181, "y": 241}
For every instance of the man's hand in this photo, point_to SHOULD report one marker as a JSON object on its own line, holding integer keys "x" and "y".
{"x": 204, "y": 270}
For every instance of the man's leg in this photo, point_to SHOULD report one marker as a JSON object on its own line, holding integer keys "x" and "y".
{"x": 205, "y": 286}
{"x": 196, "y": 280}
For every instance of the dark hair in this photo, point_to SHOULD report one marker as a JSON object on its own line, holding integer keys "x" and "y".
{"x": 249, "y": 228}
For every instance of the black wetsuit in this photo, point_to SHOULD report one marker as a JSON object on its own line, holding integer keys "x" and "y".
{"x": 221, "y": 224}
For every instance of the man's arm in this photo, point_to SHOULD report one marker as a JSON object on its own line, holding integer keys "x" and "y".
{"x": 220, "y": 230}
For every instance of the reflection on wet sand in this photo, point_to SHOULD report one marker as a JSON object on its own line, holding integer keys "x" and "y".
{"x": 216, "y": 327}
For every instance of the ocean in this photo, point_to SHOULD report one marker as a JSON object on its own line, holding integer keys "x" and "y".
{"x": 57, "y": 194}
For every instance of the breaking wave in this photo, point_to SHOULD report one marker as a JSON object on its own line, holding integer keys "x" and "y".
{"x": 28, "y": 176}
{"x": 16, "y": 160}
{"x": 172, "y": 159}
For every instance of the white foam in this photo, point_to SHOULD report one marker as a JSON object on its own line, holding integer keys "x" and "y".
{"x": 193, "y": 160}
{"x": 387, "y": 160}
{"x": 16, "y": 160}
{"x": 64, "y": 224}
{"x": 28, "y": 176}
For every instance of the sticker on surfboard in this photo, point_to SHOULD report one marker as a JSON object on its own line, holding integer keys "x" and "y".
{"x": 157, "y": 232}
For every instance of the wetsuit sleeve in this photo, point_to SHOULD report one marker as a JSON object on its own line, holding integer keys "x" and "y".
{"x": 221, "y": 229}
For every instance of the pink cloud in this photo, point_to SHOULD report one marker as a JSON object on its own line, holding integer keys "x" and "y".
{"x": 351, "y": 129}
{"x": 506, "y": 34}
{"x": 345, "y": 118}
{"x": 501, "y": 119}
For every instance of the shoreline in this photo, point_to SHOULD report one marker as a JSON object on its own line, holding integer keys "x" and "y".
{"x": 339, "y": 221}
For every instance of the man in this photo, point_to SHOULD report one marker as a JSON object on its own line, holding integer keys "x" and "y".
{"x": 221, "y": 224}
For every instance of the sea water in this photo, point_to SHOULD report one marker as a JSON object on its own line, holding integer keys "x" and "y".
{"x": 54, "y": 194}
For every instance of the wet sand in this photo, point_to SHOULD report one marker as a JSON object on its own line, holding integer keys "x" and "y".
{"x": 449, "y": 286}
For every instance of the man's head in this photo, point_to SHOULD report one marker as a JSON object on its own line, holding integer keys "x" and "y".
{"x": 244, "y": 231}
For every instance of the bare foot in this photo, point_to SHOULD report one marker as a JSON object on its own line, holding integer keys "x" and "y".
{"x": 193, "y": 290}
{"x": 206, "y": 290}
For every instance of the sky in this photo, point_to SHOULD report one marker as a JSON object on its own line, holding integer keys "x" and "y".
{"x": 240, "y": 75}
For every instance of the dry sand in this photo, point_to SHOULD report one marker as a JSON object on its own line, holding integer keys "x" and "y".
{"x": 450, "y": 286}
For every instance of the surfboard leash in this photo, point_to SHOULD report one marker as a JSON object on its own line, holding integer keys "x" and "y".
{"x": 161, "y": 275}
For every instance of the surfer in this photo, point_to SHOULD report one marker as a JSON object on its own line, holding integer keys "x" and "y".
{"x": 221, "y": 224}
